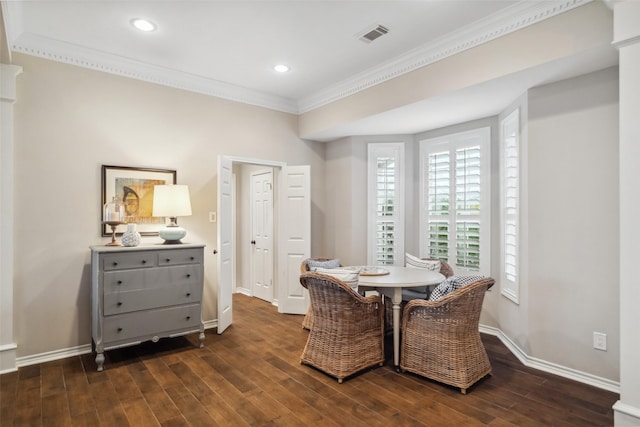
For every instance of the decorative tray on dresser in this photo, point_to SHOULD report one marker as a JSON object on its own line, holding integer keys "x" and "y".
{"x": 145, "y": 293}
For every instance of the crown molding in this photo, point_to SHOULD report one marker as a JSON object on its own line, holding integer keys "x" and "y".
{"x": 67, "y": 53}
{"x": 509, "y": 20}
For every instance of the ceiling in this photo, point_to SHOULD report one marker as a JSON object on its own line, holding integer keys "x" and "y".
{"x": 228, "y": 48}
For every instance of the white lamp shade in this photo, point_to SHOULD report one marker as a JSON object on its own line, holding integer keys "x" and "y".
{"x": 171, "y": 200}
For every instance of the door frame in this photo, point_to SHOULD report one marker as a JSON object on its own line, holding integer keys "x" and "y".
{"x": 277, "y": 167}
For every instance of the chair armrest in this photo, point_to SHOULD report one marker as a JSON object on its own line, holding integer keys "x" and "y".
{"x": 447, "y": 307}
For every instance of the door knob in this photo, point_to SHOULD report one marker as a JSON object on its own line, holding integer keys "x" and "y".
{"x": 253, "y": 242}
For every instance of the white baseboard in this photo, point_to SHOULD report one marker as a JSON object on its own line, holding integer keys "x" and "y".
{"x": 53, "y": 355}
{"x": 210, "y": 324}
{"x": 70, "y": 352}
{"x": 625, "y": 414}
{"x": 243, "y": 291}
{"x": 247, "y": 292}
{"x": 8, "y": 358}
{"x": 550, "y": 367}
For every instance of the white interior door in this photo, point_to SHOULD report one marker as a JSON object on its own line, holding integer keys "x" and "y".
{"x": 225, "y": 246}
{"x": 294, "y": 241}
{"x": 262, "y": 234}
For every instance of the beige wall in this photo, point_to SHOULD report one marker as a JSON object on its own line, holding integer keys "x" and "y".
{"x": 573, "y": 243}
{"x": 68, "y": 122}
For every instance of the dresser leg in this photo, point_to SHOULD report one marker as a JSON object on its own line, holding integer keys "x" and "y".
{"x": 100, "y": 361}
{"x": 201, "y": 338}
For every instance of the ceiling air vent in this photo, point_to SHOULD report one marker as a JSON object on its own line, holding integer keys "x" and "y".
{"x": 373, "y": 33}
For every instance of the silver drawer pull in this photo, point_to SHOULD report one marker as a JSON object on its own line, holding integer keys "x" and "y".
{"x": 168, "y": 260}
{"x": 119, "y": 282}
{"x": 115, "y": 263}
{"x": 188, "y": 317}
{"x": 119, "y": 329}
{"x": 119, "y": 303}
{"x": 192, "y": 258}
{"x": 144, "y": 261}
{"x": 188, "y": 275}
{"x": 188, "y": 294}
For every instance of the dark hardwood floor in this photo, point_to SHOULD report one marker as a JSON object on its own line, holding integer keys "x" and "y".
{"x": 251, "y": 375}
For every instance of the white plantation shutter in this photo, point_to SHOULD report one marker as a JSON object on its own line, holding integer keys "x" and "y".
{"x": 468, "y": 162}
{"x": 510, "y": 203}
{"x": 455, "y": 202}
{"x": 386, "y": 202}
{"x": 385, "y": 209}
{"x": 439, "y": 168}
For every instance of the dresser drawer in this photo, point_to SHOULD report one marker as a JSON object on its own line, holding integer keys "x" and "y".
{"x": 180, "y": 256}
{"x": 182, "y": 274}
{"x": 144, "y": 325}
{"x": 143, "y": 299}
{"x": 121, "y": 261}
{"x": 127, "y": 280}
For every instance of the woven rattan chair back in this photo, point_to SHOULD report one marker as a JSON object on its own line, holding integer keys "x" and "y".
{"x": 347, "y": 334}
{"x": 304, "y": 265}
{"x": 440, "y": 339}
{"x": 307, "y": 322}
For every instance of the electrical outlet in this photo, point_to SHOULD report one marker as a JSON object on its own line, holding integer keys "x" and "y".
{"x": 212, "y": 217}
{"x": 600, "y": 341}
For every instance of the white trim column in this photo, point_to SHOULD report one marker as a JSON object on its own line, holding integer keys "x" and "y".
{"x": 8, "y": 74}
{"x": 626, "y": 17}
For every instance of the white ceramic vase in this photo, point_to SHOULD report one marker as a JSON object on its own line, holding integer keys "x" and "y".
{"x": 131, "y": 237}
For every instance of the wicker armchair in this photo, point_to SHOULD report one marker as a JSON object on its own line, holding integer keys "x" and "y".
{"x": 347, "y": 334}
{"x": 307, "y": 322}
{"x": 408, "y": 294}
{"x": 440, "y": 339}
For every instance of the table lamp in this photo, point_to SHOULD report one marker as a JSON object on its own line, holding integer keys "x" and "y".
{"x": 172, "y": 201}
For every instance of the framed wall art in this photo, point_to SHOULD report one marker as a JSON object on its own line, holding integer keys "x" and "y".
{"x": 133, "y": 188}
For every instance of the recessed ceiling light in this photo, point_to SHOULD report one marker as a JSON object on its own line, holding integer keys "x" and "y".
{"x": 281, "y": 68}
{"x": 143, "y": 24}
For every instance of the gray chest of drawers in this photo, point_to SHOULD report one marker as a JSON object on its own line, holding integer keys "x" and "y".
{"x": 145, "y": 293}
